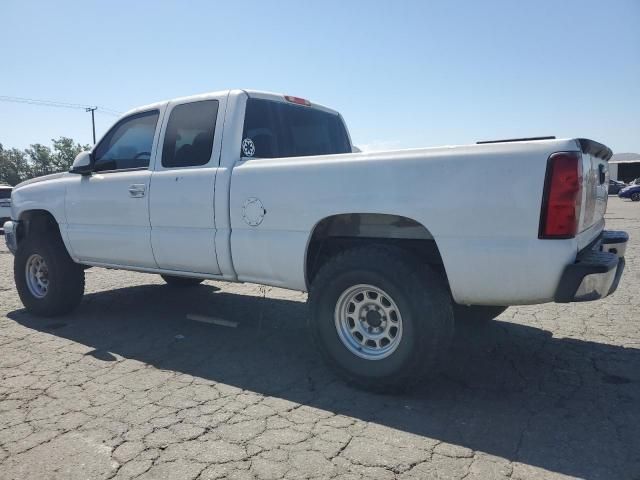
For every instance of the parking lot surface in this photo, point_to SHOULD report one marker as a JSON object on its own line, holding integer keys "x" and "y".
{"x": 128, "y": 387}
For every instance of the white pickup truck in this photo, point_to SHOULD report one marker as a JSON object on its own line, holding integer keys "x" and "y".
{"x": 247, "y": 186}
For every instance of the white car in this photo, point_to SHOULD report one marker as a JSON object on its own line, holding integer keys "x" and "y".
{"x": 5, "y": 204}
{"x": 247, "y": 186}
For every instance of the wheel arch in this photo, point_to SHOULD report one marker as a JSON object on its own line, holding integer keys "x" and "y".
{"x": 37, "y": 220}
{"x": 338, "y": 232}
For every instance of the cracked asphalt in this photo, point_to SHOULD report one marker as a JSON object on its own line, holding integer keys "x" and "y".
{"x": 128, "y": 387}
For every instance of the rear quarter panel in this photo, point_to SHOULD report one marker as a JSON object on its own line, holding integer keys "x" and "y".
{"x": 481, "y": 203}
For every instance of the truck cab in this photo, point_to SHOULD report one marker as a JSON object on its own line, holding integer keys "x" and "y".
{"x": 148, "y": 200}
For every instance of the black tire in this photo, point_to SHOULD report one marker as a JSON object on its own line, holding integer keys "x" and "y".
{"x": 423, "y": 301}
{"x": 476, "y": 313}
{"x": 635, "y": 197}
{"x": 65, "y": 277}
{"x": 175, "y": 281}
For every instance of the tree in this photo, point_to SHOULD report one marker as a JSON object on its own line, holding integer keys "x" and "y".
{"x": 40, "y": 160}
{"x": 14, "y": 167}
{"x": 18, "y": 165}
{"x": 65, "y": 151}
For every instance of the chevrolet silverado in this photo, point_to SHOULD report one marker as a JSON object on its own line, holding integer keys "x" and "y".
{"x": 248, "y": 186}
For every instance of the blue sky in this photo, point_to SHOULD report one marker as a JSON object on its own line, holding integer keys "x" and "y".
{"x": 403, "y": 73}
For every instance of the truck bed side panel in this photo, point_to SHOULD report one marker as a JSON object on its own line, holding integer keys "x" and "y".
{"x": 481, "y": 204}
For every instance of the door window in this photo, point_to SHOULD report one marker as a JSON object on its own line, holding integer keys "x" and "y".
{"x": 189, "y": 137}
{"x": 128, "y": 144}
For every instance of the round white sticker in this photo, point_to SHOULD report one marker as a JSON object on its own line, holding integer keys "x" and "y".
{"x": 248, "y": 147}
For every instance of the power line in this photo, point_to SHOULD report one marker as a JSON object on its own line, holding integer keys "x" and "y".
{"x": 52, "y": 103}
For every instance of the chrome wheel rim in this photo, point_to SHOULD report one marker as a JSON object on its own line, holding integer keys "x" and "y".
{"x": 368, "y": 322}
{"x": 37, "y": 275}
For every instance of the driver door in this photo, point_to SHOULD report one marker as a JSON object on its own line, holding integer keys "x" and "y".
{"x": 108, "y": 211}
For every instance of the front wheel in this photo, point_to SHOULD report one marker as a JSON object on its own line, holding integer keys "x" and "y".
{"x": 49, "y": 282}
{"x": 379, "y": 318}
{"x": 635, "y": 197}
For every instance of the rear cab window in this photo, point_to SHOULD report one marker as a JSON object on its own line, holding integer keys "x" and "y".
{"x": 278, "y": 129}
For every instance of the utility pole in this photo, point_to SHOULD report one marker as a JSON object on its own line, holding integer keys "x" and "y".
{"x": 93, "y": 121}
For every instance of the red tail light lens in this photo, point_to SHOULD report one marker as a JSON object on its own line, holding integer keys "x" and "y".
{"x": 562, "y": 196}
{"x": 297, "y": 100}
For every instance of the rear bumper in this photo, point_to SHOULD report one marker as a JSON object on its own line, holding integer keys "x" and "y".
{"x": 597, "y": 270}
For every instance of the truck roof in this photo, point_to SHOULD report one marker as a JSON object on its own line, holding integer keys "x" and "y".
{"x": 278, "y": 97}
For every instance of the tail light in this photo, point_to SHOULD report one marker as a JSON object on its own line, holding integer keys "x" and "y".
{"x": 561, "y": 202}
{"x": 297, "y": 100}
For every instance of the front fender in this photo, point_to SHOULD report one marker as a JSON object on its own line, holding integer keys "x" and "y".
{"x": 47, "y": 194}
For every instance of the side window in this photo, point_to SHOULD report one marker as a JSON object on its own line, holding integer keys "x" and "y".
{"x": 189, "y": 137}
{"x": 279, "y": 129}
{"x": 262, "y": 126}
{"x": 128, "y": 144}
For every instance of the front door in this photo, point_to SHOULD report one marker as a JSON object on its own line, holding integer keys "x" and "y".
{"x": 182, "y": 186}
{"x": 108, "y": 211}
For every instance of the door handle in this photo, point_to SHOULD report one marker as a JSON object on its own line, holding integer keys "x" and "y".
{"x": 137, "y": 190}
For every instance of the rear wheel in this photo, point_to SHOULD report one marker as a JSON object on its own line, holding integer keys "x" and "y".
{"x": 175, "y": 281}
{"x": 379, "y": 318}
{"x": 635, "y": 197}
{"x": 49, "y": 282}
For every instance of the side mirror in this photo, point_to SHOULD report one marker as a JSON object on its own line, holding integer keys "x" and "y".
{"x": 82, "y": 164}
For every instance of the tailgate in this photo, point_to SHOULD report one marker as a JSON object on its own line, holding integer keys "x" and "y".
{"x": 595, "y": 192}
